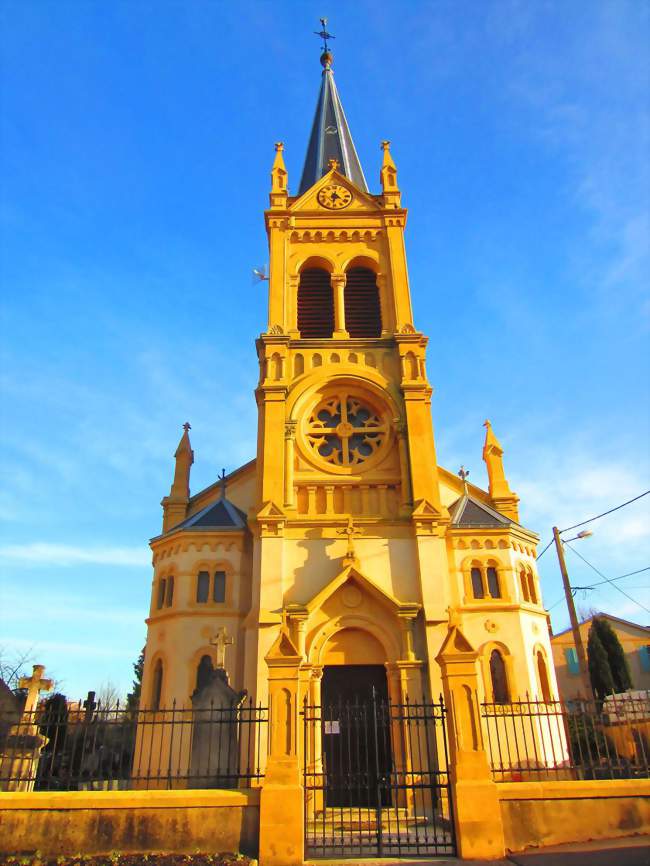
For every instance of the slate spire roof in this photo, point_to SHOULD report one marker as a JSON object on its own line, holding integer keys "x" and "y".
{"x": 469, "y": 512}
{"x": 330, "y": 136}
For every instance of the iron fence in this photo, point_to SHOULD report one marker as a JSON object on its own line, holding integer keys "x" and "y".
{"x": 533, "y": 740}
{"x": 65, "y": 749}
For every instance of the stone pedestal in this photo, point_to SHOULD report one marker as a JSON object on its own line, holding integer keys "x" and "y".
{"x": 19, "y": 758}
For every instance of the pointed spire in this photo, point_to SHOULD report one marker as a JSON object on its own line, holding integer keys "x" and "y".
{"x": 388, "y": 177}
{"x": 175, "y": 505}
{"x": 330, "y": 135}
{"x": 502, "y": 496}
{"x": 278, "y": 195}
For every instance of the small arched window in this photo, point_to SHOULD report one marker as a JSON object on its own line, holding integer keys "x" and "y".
{"x": 500, "y": 694}
{"x": 542, "y": 672}
{"x": 493, "y": 582}
{"x": 524, "y": 585}
{"x": 202, "y": 587}
{"x": 156, "y": 688}
{"x": 161, "y": 592}
{"x": 477, "y": 583}
{"x": 169, "y": 598}
{"x": 362, "y": 308}
{"x": 219, "y": 593}
{"x": 204, "y": 671}
{"x": 315, "y": 304}
{"x": 532, "y": 594}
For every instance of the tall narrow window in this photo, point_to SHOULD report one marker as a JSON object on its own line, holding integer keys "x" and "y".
{"x": 362, "y": 309}
{"x": 204, "y": 671}
{"x": 156, "y": 688}
{"x": 219, "y": 593}
{"x": 202, "y": 587}
{"x": 543, "y": 677}
{"x": 161, "y": 593}
{"x": 493, "y": 582}
{"x": 477, "y": 583}
{"x": 500, "y": 694}
{"x": 315, "y": 304}
{"x": 524, "y": 585}
{"x": 531, "y": 588}
{"x": 169, "y": 598}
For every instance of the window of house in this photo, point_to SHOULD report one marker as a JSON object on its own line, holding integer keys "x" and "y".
{"x": 477, "y": 583}
{"x": 571, "y": 656}
{"x": 219, "y": 593}
{"x": 161, "y": 593}
{"x": 156, "y": 689}
{"x": 202, "y": 587}
{"x": 542, "y": 672}
{"x": 500, "y": 694}
{"x": 362, "y": 309}
{"x": 493, "y": 582}
{"x": 169, "y": 598}
{"x": 644, "y": 656}
{"x": 315, "y": 304}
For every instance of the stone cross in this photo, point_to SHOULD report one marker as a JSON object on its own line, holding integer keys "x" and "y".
{"x": 221, "y": 641}
{"x": 34, "y": 685}
{"x": 89, "y": 706}
{"x": 333, "y": 164}
{"x": 349, "y": 531}
{"x": 222, "y": 483}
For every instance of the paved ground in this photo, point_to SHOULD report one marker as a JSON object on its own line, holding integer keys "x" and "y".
{"x": 627, "y": 851}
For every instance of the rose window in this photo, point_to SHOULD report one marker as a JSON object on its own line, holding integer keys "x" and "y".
{"x": 345, "y": 431}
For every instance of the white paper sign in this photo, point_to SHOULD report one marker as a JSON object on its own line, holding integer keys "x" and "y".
{"x": 332, "y": 727}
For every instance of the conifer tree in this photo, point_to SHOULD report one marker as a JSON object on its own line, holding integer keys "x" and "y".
{"x": 133, "y": 697}
{"x": 615, "y": 654}
{"x": 600, "y": 673}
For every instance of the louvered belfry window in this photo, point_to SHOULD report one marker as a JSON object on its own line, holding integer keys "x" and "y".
{"x": 362, "y": 310}
{"x": 315, "y": 304}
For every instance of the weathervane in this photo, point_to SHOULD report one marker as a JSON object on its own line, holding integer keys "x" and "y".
{"x": 324, "y": 35}
{"x": 222, "y": 483}
{"x": 463, "y": 474}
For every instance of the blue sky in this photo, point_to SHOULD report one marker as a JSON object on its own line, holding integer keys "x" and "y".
{"x": 137, "y": 140}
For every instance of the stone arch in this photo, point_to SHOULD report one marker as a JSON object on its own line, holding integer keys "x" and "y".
{"x": 542, "y": 673}
{"x": 316, "y": 651}
{"x": 485, "y": 654}
{"x": 298, "y": 364}
{"x": 322, "y": 262}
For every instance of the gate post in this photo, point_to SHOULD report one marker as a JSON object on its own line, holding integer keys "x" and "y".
{"x": 475, "y": 801}
{"x": 282, "y": 836}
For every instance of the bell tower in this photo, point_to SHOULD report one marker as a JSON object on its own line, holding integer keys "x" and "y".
{"x": 345, "y": 427}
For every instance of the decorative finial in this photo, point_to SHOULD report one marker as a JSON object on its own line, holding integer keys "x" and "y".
{"x": 333, "y": 164}
{"x": 486, "y": 423}
{"x": 385, "y": 145}
{"x": 222, "y": 483}
{"x": 463, "y": 474}
{"x": 187, "y": 426}
{"x": 279, "y": 146}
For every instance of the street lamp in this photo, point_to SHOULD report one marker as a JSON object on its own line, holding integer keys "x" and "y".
{"x": 575, "y": 626}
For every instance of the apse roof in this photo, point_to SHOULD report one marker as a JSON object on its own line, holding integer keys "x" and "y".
{"x": 219, "y": 515}
{"x": 330, "y": 137}
{"x": 469, "y": 512}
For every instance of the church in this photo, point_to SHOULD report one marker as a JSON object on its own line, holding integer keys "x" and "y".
{"x": 343, "y": 534}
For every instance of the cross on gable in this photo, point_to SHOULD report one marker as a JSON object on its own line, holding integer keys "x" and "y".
{"x": 34, "y": 685}
{"x": 349, "y": 531}
{"x": 221, "y": 640}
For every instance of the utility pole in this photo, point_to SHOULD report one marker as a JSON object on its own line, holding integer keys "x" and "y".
{"x": 575, "y": 627}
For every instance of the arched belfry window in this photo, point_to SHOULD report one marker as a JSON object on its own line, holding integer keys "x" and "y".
{"x": 315, "y": 304}
{"x": 362, "y": 309}
{"x": 500, "y": 693}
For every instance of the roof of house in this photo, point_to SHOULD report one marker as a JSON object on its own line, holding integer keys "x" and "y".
{"x": 605, "y": 615}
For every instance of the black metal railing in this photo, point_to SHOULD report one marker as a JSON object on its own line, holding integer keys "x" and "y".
{"x": 534, "y": 740}
{"x": 375, "y": 777}
{"x": 69, "y": 749}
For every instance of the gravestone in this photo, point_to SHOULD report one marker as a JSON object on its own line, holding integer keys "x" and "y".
{"x": 215, "y": 732}
{"x": 22, "y": 746}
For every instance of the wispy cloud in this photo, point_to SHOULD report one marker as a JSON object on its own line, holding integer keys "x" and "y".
{"x": 39, "y": 553}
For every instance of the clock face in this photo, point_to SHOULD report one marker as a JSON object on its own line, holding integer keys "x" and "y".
{"x": 334, "y": 196}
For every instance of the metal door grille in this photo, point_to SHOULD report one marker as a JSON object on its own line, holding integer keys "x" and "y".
{"x": 375, "y": 780}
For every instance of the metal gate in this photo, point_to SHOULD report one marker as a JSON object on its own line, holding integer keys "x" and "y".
{"x": 375, "y": 780}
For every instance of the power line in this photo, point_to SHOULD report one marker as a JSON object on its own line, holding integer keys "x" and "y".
{"x": 545, "y": 549}
{"x": 606, "y": 579}
{"x": 598, "y": 516}
{"x": 612, "y": 579}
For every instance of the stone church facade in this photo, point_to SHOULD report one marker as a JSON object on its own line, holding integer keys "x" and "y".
{"x": 343, "y": 534}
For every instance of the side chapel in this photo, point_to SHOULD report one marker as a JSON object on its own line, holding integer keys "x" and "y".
{"x": 343, "y": 533}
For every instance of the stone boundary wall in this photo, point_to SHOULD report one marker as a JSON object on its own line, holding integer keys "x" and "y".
{"x": 550, "y": 813}
{"x": 97, "y": 822}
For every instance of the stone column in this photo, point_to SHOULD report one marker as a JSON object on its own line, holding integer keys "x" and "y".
{"x": 476, "y": 808}
{"x": 281, "y": 798}
{"x": 338, "y": 288}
